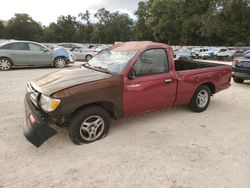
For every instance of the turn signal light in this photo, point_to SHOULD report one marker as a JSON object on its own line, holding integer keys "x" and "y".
{"x": 32, "y": 119}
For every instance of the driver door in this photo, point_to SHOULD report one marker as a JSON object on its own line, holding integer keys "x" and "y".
{"x": 153, "y": 86}
{"x": 39, "y": 55}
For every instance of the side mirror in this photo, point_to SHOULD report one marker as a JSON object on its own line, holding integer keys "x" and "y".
{"x": 45, "y": 50}
{"x": 131, "y": 74}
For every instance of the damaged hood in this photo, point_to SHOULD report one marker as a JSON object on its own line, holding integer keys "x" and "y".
{"x": 62, "y": 79}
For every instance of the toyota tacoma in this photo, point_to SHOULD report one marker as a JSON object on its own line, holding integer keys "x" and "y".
{"x": 125, "y": 80}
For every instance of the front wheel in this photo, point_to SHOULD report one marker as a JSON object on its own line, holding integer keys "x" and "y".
{"x": 88, "y": 125}
{"x": 200, "y": 99}
{"x": 5, "y": 64}
{"x": 60, "y": 62}
{"x": 88, "y": 58}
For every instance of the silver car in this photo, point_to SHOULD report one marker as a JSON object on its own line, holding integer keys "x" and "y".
{"x": 32, "y": 54}
{"x": 83, "y": 53}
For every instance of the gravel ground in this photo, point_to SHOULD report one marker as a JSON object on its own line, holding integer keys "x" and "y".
{"x": 170, "y": 148}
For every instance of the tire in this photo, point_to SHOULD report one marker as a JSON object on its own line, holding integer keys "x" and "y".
{"x": 88, "y": 58}
{"x": 238, "y": 80}
{"x": 5, "y": 64}
{"x": 200, "y": 99}
{"x": 89, "y": 125}
{"x": 60, "y": 62}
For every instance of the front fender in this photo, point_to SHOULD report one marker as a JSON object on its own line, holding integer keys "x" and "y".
{"x": 60, "y": 52}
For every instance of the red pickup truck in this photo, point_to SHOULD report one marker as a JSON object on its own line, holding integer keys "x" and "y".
{"x": 125, "y": 80}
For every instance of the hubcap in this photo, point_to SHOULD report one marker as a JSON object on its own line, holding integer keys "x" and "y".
{"x": 202, "y": 98}
{"x": 4, "y": 64}
{"x": 60, "y": 63}
{"x": 92, "y": 128}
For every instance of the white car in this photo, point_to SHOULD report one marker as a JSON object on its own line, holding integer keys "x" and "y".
{"x": 83, "y": 53}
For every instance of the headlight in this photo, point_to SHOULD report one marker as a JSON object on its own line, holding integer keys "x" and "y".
{"x": 48, "y": 104}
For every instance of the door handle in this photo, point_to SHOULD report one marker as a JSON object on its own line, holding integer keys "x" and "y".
{"x": 168, "y": 81}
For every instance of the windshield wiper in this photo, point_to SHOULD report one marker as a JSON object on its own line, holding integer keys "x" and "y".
{"x": 98, "y": 68}
{"x": 102, "y": 69}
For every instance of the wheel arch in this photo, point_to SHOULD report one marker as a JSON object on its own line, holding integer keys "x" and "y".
{"x": 12, "y": 62}
{"x": 211, "y": 86}
{"x": 106, "y": 105}
{"x": 61, "y": 56}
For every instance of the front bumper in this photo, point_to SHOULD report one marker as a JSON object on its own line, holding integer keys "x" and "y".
{"x": 39, "y": 131}
{"x": 71, "y": 59}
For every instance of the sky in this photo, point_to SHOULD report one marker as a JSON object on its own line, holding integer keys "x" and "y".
{"x": 47, "y": 11}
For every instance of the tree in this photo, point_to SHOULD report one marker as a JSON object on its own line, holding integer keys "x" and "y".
{"x": 49, "y": 33}
{"x": 166, "y": 21}
{"x": 2, "y": 30}
{"x": 112, "y": 27}
{"x": 66, "y": 29}
{"x": 194, "y": 22}
{"x": 142, "y": 29}
{"x": 23, "y": 27}
{"x": 86, "y": 28}
{"x": 227, "y": 23}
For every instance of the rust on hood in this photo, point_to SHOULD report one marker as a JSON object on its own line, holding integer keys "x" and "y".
{"x": 60, "y": 80}
{"x": 135, "y": 45}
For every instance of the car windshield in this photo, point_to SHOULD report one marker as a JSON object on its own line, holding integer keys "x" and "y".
{"x": 111, "y": 61}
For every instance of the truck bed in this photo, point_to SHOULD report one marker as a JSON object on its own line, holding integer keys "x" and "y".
{"x": 182, "y": 65}
{"x": 191, "y": 74}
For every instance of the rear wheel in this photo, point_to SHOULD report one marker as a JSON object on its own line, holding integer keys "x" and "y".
{"x": 88, "y": 125}
{"x": 88, "y": 58}
{"x": 238, "y": 80}
{"x": 60, "y": 62}
{"x": 5, "y": 64}
{"x": 200, "y": 99}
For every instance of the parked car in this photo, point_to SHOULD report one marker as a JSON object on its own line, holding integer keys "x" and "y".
{"x": 84, "y": 54}
{"x": 3, "y": 40}
{"x": 197, "y": 51}
{"x": 69, "y": 46}
{"x": 241, "y": 68}
{"x": 31, "y": 54}
{"x": 228, "y": 55}
{"x": 184, "y": 54}
{"x": 208, "y": 54}
{"x": 128, "y": 79}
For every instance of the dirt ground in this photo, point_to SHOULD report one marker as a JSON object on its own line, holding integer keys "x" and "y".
{"x": 170, "y": 148}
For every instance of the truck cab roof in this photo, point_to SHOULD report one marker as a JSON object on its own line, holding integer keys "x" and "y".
{"x": 137, "y": 45}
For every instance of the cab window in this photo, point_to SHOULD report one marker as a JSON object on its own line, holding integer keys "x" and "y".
{"x": 151, "y": 62}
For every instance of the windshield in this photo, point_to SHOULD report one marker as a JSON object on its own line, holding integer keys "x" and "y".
{"x": 112, "y": 61}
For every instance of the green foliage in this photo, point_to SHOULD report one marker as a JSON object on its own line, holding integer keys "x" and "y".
{"x": 112, "y": 27}
{"x": 180, "y": 22}
{"x": 2, "y": 30}
{"x": 197, "y": 22}
{"x": 142, "y": 29}
{"x": 23, "y": 27}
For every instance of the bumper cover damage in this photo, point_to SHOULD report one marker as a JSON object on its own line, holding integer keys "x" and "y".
{"x": 38, "y": 130}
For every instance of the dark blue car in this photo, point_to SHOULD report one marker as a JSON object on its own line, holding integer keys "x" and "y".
{"x": 241, "y": 68}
